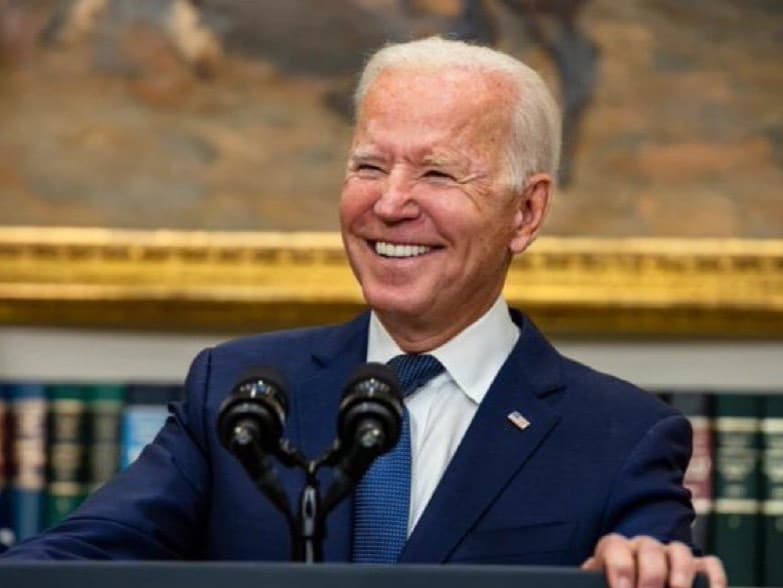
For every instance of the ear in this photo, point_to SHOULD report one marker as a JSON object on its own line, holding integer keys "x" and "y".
{"x": 532, "y": 208}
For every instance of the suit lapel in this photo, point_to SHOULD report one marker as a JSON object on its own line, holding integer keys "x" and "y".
{"x": 493, "y": 449}
{"x": 317, "y": 400}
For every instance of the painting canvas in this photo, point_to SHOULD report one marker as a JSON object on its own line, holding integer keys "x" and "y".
{"x": 235, "y": 115}
{"x": 170, "y": 164}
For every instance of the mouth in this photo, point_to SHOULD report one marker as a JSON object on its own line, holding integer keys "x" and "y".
{"x": 400, "y": 250}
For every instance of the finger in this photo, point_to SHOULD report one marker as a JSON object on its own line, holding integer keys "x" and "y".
{"x": 616, "y": 557}
{"x": 682, "y": 565}
{"x": 652, "y": 565}
{"x": 591, "y": 564}
{"x": 713, "y": 567}
{"x": 596, "y": 561}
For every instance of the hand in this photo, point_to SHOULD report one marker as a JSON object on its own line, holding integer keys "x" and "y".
{"x": 644, "y": 562}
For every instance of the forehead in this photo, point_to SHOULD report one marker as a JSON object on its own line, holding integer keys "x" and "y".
{"x": 455, "y": 103}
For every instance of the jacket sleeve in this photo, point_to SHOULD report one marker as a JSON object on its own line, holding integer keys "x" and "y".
{"x": 154, "y": 509}
{"x": 647, "y": 496}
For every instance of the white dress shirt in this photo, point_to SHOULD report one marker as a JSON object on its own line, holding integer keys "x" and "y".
{"x": 441, "y": 410}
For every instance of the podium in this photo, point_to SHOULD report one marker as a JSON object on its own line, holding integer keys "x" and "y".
{"x": 285, "y": 575}
{"x": 265, "y": 575}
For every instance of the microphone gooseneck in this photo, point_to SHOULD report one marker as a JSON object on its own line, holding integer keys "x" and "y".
{"x": 369, "y": 423}
{"x": 250, "y": 425}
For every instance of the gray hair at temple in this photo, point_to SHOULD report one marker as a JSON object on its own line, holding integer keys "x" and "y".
{"x": 535, "y": 134}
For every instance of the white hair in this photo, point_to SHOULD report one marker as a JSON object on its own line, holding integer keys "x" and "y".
{"x": 534, "y": 137}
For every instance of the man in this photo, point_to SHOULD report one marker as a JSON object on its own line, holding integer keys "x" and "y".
{"x": 518, "y": 454}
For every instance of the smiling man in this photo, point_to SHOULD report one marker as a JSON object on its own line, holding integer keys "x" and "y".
{"x": 510, "y": 452}
{"x": 430, "y": 210}
{"x": 450, "y": 175}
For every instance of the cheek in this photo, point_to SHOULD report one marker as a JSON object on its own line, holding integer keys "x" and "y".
{"x": 488, "y": 241}
{"x": 356, "y": 200}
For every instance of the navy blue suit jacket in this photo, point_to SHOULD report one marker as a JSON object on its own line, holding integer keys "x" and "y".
{"x": 599, "y": 456}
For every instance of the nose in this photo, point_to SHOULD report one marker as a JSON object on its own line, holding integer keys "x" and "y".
{"x": 396, "y": 202}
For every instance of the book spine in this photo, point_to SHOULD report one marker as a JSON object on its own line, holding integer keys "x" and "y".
{"x": 140, "y": 424}
{"x": 65, "y": 488}
{"x": 737, "y": 487}
{"x": 104, "y": 412}
{"x": 28, "y": 484}
{"x": 698, "y": 477}
{"x": 772, "y": 509}
{"x": 144, "y": 414}
{"x": 6, "y": 528}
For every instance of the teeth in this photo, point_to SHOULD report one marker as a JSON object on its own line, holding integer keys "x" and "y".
{"x": 392, "y": 250}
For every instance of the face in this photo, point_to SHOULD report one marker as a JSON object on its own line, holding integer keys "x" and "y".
{"x": 427, "y": 219}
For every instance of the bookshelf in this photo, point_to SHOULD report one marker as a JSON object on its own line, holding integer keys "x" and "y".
{"x": 695, "y": 375}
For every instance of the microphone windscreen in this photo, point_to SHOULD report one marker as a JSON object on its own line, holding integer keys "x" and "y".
{"x": 262, "y": 381}
{"x": 268, "y": 374}
{"x": 378, "y": 371}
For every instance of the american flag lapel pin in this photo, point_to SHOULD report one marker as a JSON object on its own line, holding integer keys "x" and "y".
{"x": 519, "y": 421}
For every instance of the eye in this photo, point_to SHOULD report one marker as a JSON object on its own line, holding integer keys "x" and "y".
{"x": 368, "y": 169}
{"x": 436, "y": 174}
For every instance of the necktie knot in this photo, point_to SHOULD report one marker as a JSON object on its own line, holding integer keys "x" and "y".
{"x": 415, "y": 370}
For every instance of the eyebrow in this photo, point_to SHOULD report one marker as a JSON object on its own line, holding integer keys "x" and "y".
{"x": 439, "y": 161}
{"x": 364, "y": 155}
{"x": 454, "y": 162}
{"x": 368, "y": 154}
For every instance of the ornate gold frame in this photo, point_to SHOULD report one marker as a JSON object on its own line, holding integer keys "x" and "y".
{"x": 240, "y": 282}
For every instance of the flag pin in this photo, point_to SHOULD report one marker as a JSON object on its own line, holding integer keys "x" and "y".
{"x": 518, "y": 420}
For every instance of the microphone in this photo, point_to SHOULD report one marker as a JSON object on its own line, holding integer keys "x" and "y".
{"x": 250, "y": 425}
{"x": 369, "y": 423}
{"x": 255, "y": 411}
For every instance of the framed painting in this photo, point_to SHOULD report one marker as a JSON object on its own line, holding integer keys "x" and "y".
{"x": 172, "y": 164}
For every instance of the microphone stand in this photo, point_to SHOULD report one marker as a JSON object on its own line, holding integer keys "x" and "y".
{"x": 308, "y": 528}
{"x": 308, "y": 536}
{"x": 349, "y": 457}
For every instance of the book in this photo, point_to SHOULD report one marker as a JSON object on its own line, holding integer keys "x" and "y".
{"x": 697, "y": 407}
{"x": 736, "y": 529}
{"x": 65, "y": 481}
{"x": 104, "y": 411}
{"x": 144, "y": 414}
{"x": 772, "y": 508}
{"x": 6, "y": 529}
{"x": 28, "y": 457}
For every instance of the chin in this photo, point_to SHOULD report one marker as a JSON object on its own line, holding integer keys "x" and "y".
{"x": 386, "y": 300}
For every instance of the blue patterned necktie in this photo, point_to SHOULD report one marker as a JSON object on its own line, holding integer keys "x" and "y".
{"x": 382, "y": 500}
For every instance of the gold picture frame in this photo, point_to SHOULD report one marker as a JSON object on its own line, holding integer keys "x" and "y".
{"x": 244, "y": 282}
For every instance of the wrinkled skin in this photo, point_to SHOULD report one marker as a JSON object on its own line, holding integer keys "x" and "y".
{"x": 427, "y": 168}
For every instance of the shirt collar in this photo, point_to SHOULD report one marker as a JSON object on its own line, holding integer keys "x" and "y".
{"x": 473, "y": 358}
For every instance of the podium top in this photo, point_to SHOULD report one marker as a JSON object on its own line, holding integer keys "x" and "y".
{"x": 253, "y": 575}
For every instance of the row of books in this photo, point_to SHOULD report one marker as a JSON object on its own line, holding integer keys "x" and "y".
{"x": 736, "y": 479}
{"x": 59, "y": 442}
